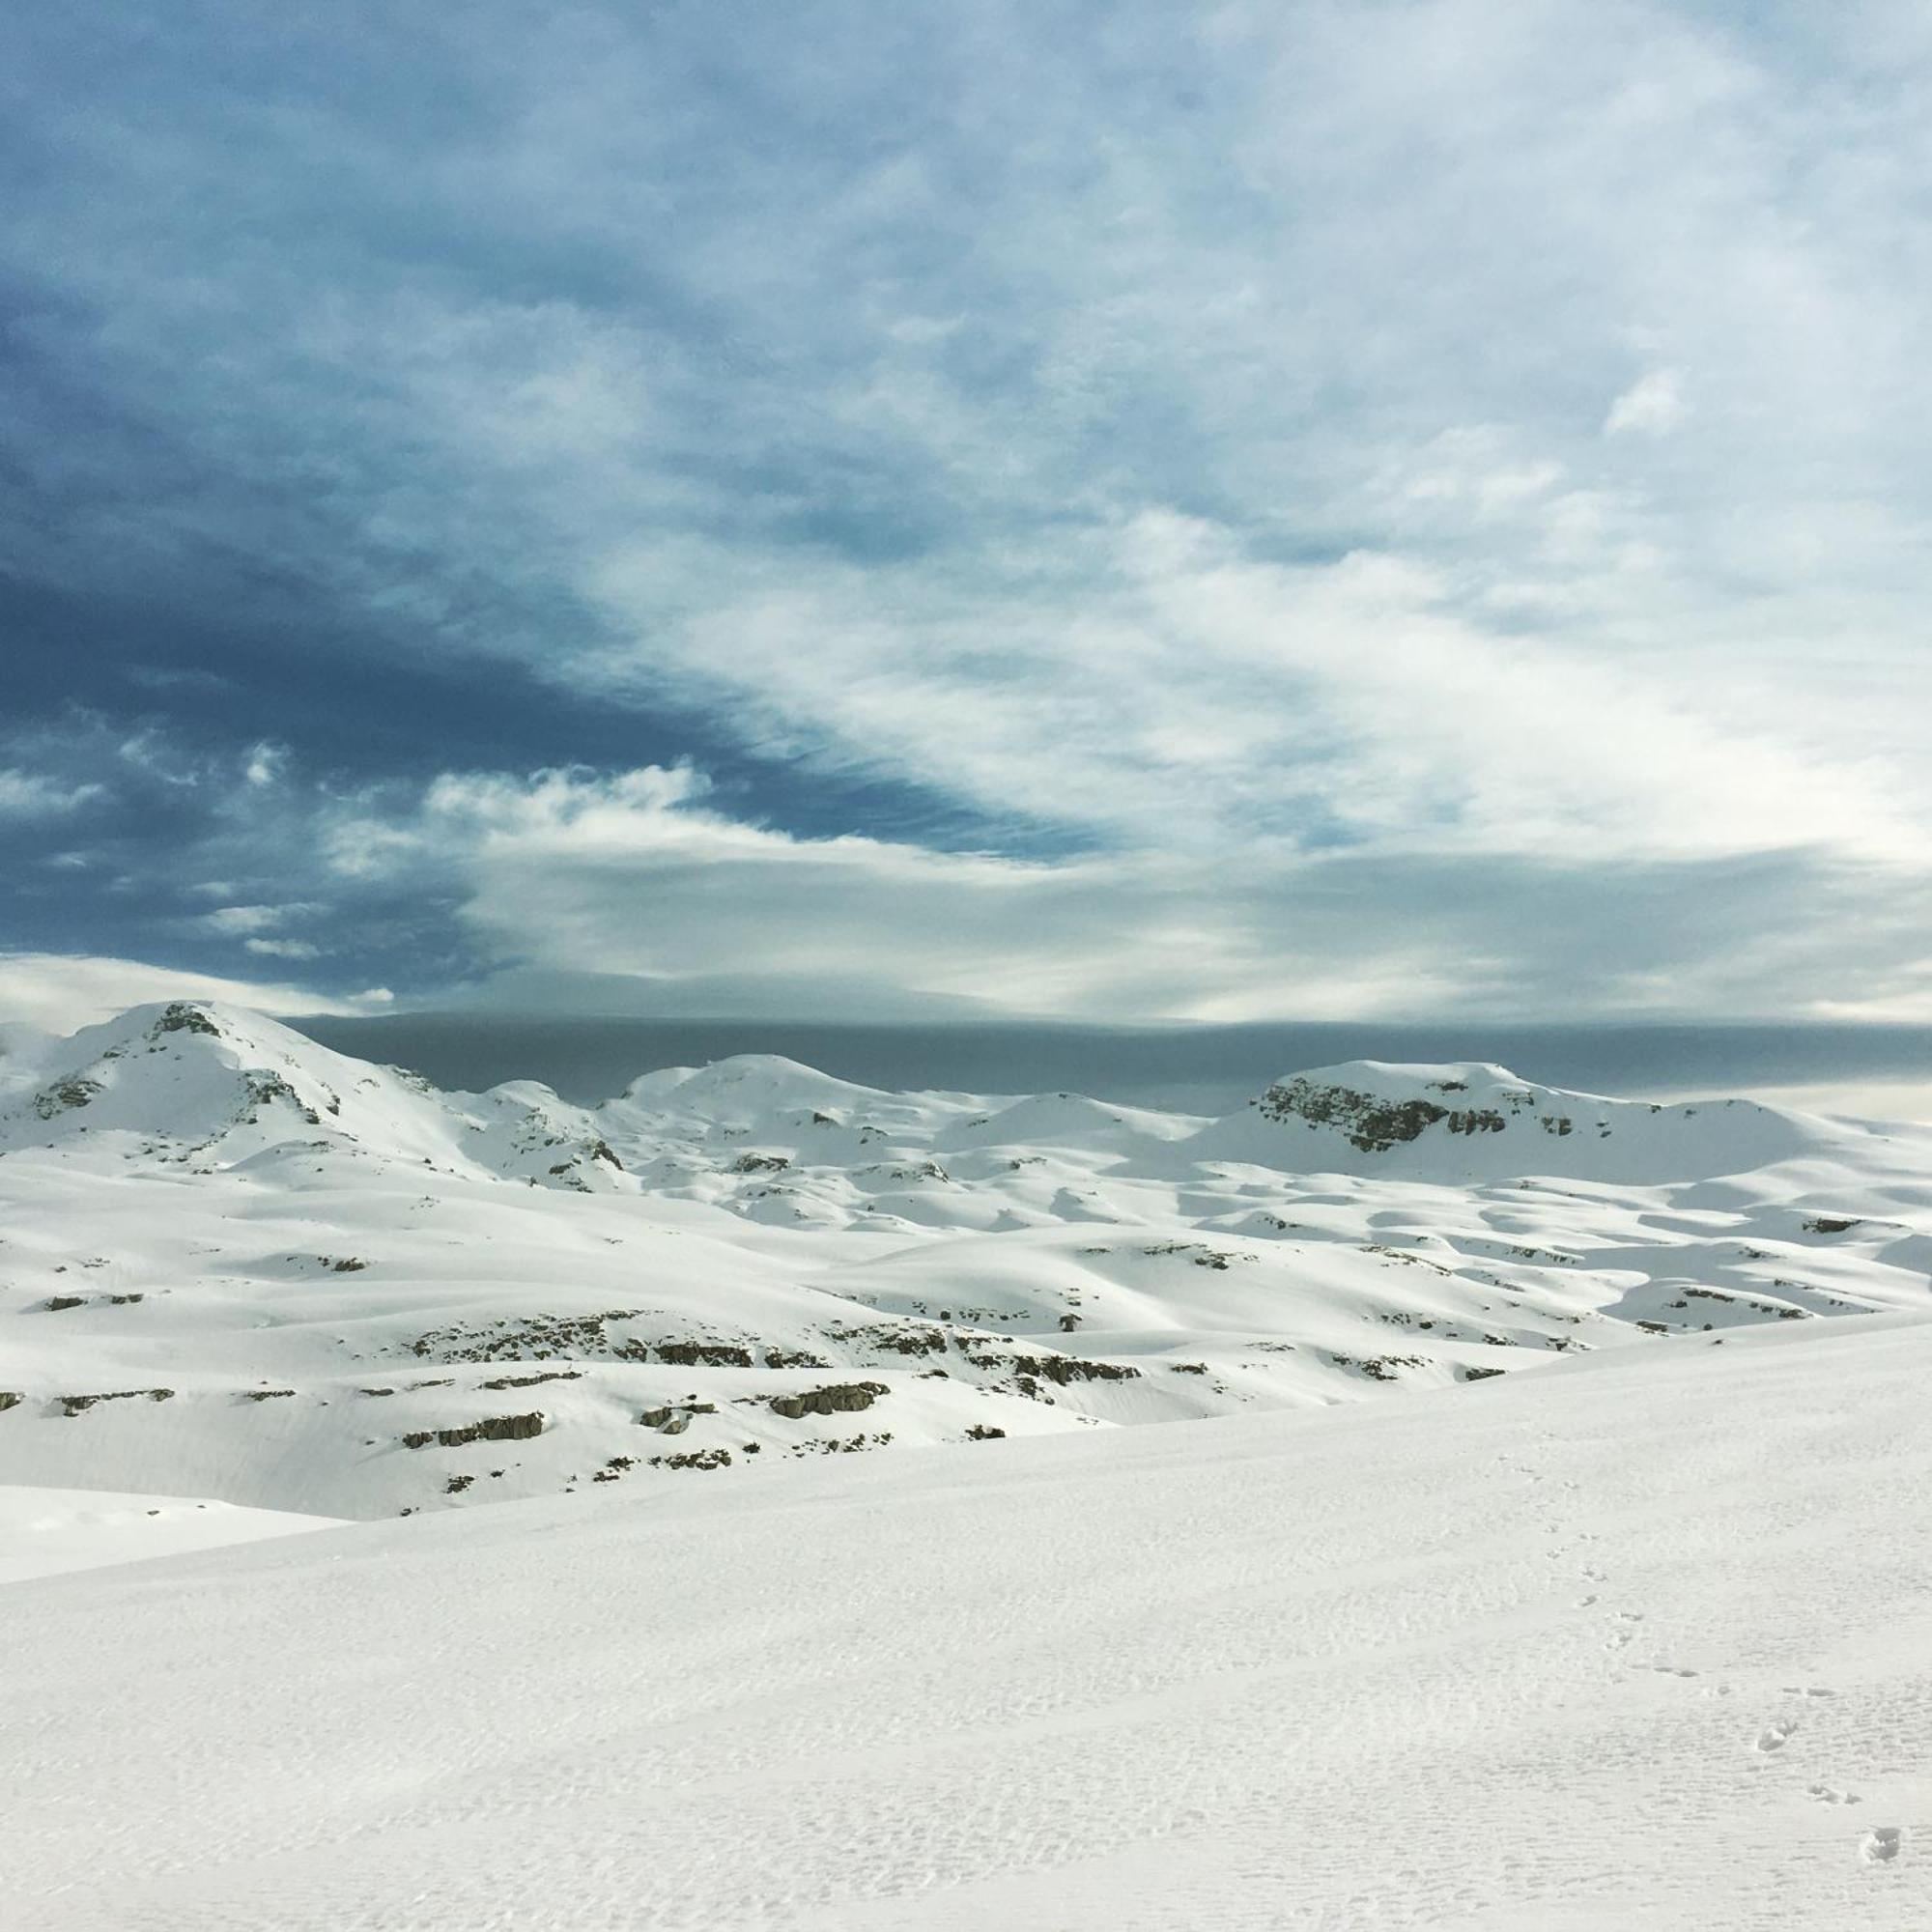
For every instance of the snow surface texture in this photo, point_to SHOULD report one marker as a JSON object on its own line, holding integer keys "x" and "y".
{"x": 48, "y": 1532}
{"x": 236, "y": 1264}
{"x": 1643, "y": 1641}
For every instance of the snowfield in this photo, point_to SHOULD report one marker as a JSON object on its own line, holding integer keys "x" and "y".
{"x": 236, "y": 1264}
{"x": 47, "y": 1532}
{"x": 1544, "y": 1548}
{"x": 1644, "y": 1641}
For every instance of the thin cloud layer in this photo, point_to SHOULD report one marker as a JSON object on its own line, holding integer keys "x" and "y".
{"x": 569, "y": 878}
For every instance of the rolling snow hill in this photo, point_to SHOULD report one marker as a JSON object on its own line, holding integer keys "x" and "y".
{"x": 1641, "y": 1642}
{"x": 236, "y": 1264}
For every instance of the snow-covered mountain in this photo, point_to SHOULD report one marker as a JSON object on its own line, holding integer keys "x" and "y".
{"x": 234, "y": 1263}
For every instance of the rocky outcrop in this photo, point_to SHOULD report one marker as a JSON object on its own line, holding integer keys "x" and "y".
{"x": 181, "y": 1018}
{"x": 1060, "y": 1370}
{"x": 1369, "y": 1122}
{"x": 492, "y": 1428}
{"x": 705, "y": 1354}
{"x": 835, "y": 1399}
{"x": 76, "y": 1405}
{"x": 675, "y": 1418}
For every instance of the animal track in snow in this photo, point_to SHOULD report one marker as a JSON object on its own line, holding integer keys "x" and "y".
{"x": 1774, "y": 1737}
{"x": 1805, "y": 1691}
{"x": 1824, "y": 1795}
{"x": 1881, "y": 1845}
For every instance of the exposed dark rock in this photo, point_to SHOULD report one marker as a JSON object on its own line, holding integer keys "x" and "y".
{"x": 837, "y": 1398}
{"x": 675, "y": 1418}
{"x": 897, "y": 1341}
{"x": 10, "y": 1399}
{"x": 492, "y": 1428}
{"x": 534, "y": 1337}
{"x": 530, "y": 1382}
{"x": 56, "y": 1303}
{"x": 181, "y": 1018}
{"x": 1471, "y": 1373}
{"x": 1379, "y": 1368}
{"x": 1371, "y": 1124}
{"x": 1060, "y": 1370}
{"x": 1829, "y": 1224}
{"x": 794, "y": 1358}
{"x": 705, "y": 1354}
{"x": 265, "y": 1088}
{"x": 74, "y": 1405}
{"x": 983, "y": 1432}
{"x": 264, "y": 1395}
{"x": 63, "y": 1095}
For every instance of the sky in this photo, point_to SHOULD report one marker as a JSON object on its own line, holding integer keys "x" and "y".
{"x": 1114, "y": 513}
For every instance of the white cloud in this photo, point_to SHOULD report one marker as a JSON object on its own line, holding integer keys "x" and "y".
{"x": 33, "y": 795}
{"x": 235, "y": 919}
{"x": 1652, "y": 406}
{"x": 1170, "y": 691}
{"x": 283, "y": 948}
{"x": 61, "y": 993}
{"x": 238, "y": 921}
{"x": 634, "y": 878}
{"x": 264, "y": 763}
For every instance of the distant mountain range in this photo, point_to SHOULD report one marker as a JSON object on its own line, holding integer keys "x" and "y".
{"x": 235, "y": 1262}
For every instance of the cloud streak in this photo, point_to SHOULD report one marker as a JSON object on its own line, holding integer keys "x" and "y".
{"x": 577, "y": 888}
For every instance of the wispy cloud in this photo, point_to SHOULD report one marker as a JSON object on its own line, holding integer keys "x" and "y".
{"x": 1336, "y": 507}
{"x": 574, "y": 880}
{"x": 37, "y": 795}
{"x": 59, "y": 992}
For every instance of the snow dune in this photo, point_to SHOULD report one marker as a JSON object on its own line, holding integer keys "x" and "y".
{"x": 1640, "y": 1641}
{"x": 49, "y": 1532}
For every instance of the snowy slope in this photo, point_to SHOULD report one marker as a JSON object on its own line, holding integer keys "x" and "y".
{"x": 1640, "y": 1643}
{"x": 236, "y": 1264}
{"x": 1468, "y": 1120}
{"x": 50, "y": 1532}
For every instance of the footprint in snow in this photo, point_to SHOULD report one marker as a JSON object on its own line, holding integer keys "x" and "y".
{"x": 1824, "y": 1795}
{"x": 1881, "y": 1845}
{"x": 1775, "y": 1736}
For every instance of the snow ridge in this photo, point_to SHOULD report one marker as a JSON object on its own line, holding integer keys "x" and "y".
{"x": 235, "y": 1264}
